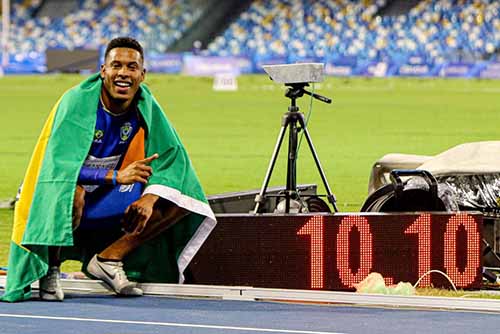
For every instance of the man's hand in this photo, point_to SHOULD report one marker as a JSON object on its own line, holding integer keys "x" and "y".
{"x": 138, "y": 213}
{"x": 137, "y": 171}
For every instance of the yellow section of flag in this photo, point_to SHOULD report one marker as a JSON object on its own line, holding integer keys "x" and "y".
{"x": 22, "y": 209}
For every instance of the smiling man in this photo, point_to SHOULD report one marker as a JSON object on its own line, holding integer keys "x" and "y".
{"x": 110, "y": 184}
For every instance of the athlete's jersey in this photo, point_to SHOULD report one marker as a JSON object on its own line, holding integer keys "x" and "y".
{"x": 105, "y": 204}
{"x": 112, "y": 137}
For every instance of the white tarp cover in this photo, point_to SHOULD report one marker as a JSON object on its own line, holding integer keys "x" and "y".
{"x": 468, "y": 175}
{"x": 470, "y": 158}
{"x": 382, "y": 168}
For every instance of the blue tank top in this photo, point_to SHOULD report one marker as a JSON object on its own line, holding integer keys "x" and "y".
{"x": 105, "y": 204}
{"x": 112, "y": 136}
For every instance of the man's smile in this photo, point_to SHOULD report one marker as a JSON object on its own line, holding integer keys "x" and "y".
{"x": 124, "y": 84}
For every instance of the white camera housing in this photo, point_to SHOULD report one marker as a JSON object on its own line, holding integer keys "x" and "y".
{"x": 295, "y": 73}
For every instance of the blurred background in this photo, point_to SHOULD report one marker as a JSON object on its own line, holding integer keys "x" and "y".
{"x": 447, "y": 38}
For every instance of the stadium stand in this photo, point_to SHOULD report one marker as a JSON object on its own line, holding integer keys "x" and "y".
{"x": 211, "y": 23}
{"x": 347, "y": 31}
{"x": 368, "y": 37}
{"x": 38, "y": 25}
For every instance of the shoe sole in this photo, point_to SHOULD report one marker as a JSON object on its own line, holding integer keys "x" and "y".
{"x": 100, "y": 274}
{"x": 50, "y": 296}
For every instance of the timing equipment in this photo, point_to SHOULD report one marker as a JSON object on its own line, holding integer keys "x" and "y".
{"x": 295, "y": 73}
{"x": 296, "y": 77}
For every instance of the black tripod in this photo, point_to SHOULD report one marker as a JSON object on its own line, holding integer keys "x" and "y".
{"x": 290, "y": 119}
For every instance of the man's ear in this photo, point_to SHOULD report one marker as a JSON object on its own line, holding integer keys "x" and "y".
{"x": 143, "y": 74}
{"x": 102, "y": 71}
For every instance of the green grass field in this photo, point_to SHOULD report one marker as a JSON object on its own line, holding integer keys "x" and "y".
{"x": 230, "y": 135}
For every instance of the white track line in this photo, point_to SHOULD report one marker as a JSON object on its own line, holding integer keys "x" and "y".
{"x": 166, "y": 324}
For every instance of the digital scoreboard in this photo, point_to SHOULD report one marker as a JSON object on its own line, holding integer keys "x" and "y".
{"x": 336, "y": 251}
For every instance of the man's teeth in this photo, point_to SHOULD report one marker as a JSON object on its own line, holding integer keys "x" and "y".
{"x": 123, "y": 84}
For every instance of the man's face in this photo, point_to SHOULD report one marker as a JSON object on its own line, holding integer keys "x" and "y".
{"x": 122, "y": 73}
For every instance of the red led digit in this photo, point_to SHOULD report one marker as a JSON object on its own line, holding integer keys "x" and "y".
{"x": 314, "y": 228}
{"x": 468, "y": 276}
{"x": 422, "y": 227}
{"x": 347, "y": 277}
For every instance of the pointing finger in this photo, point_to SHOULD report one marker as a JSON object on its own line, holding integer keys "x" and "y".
{"x": 151, "y": 158}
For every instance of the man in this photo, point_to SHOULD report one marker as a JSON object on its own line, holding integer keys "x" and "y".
{"x": 109, "y": 179}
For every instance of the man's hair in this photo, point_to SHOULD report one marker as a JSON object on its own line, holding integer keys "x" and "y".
{"x": 124, "y": 42}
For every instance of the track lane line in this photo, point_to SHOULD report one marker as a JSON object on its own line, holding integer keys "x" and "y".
{"x": 166, "y": 324}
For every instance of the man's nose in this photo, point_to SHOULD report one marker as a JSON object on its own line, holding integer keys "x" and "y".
{"x": 123, "y": 71}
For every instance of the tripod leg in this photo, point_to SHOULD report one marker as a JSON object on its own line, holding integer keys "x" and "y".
{"x": 331, "y": 197}
{"x": 260, "y": 198}
{"x": 291, "y": 175}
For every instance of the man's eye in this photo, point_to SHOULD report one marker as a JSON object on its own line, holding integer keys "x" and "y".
{"x": 115, "y": 65}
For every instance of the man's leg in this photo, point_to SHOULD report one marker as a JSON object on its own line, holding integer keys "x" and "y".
{"x": 165, "y": 214}
{"x": 50, "y": 285}
{"x": 107, "y": 264}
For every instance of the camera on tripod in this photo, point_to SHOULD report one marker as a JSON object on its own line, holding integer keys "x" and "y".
{"x": 295, "y": 73}
{"x": 296, "y": 77}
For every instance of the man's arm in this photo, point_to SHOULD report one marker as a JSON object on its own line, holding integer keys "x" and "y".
{"x": 139, "y": 212}
{"x": 93, "y": 176}
{"x": 137, "y": 171}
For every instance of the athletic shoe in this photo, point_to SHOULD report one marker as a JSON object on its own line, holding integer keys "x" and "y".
{"x": 50, "y": 285}
{"x": 111, "y": 272}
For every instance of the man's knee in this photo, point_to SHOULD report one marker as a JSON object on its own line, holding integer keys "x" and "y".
{"x": 78, "y": 205}
{"x": 166, "y": 211}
